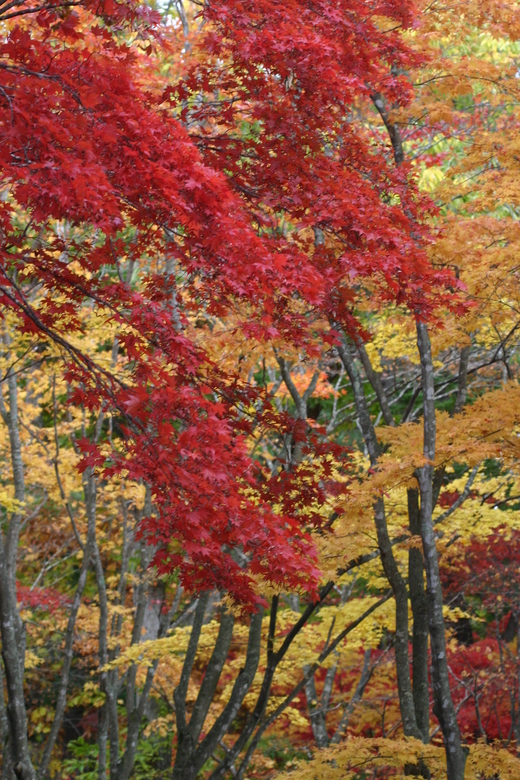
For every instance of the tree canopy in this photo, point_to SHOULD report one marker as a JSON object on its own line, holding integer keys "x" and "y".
{"x": 259, "y": 363}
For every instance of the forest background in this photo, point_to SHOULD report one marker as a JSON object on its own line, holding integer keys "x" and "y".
{"x": 259, "y": 473}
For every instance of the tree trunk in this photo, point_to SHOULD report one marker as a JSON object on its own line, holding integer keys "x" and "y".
{"x": 443, "y": 702}
{"x": 392, "y": 573}
{"x": 11, "y": 628}
{"x": 420, "y": 636}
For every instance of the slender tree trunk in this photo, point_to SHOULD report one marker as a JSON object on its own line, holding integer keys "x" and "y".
{"x": 375, "y": 380}
{"x": 68, "y": 653}
{"x": 318, "y": 708}
{"x": 110, "y": 722}
{"x": 462, "y": 385}
{"x": 11, "y": 628}
{"x": 136, "y": 705}
{"x": 443, "y": 702}
{"x": 212, "y": 675}
{"x": 267, "y": 721}
{"x": 221, "y": 726}
{"x": 102, "y": 741}
{"x": 392, "y": 573}
{"x": 14, "y": 674}
{"x": 183, "y": 767}
{"x": 421, "y": 692}
{"x": 186, "y": 761}
{"x": 7, "y": 762}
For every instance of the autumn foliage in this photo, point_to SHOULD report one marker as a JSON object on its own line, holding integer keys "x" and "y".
{"x": 259, "y": 390}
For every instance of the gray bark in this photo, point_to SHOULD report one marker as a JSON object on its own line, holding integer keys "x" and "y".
{"x": 420, "y": 635}
{"x": 68, "y": 655}
{"x": 11, "y": 628}
{"x": 462, "y": 388}
{"x": 184, "y": 755}
{"x": 212, "y": 675}
{"x": 141, "y": 593}
{"x": 443, "y": 702}
{"x": 267, "y": 721}
{"x": 18, "y": 743}
{"x": 102, "y": 741}
{"x": 7, "y": 763}
{"x": 375, "y": 380}
{"x": 295, "y": 450}
{"x": 318, "y": 708}
{"x": 398, "y": 585}
{"x": 261, "y": 703}
{"x": 242, "y": 684}
{"x": 392, "y": 130}
{"x": 105, "y": 677}
{"x": 188, "y": 733}
{"x": 136, "y": 712}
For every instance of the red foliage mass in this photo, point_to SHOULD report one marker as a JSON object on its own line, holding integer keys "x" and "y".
{"x": 83, "y": 141}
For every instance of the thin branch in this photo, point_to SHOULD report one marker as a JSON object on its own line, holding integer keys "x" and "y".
{"x": 460, "y": 500}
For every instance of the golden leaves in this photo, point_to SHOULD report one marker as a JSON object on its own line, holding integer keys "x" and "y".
{"x": 485, "y": 429}
{"x": 346, "y": 761}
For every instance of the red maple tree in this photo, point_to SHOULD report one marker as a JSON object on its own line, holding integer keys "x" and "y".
{"x": 136, "y": 179}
